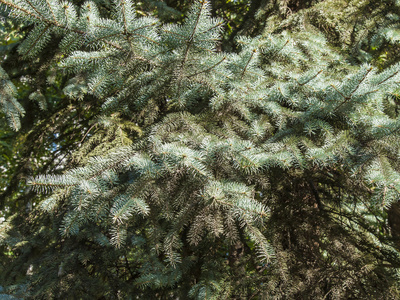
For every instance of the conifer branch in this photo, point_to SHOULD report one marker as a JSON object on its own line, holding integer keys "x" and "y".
{"x": 214, "y": 27}
{"x": 182, "y": 187}
{"x": 261, "y": 214}
{"x": 37, "y": 39}
{"x": 174, "y": 33}
{"x": 17, "y": 107}
{"x": 291, "y": 100}
{"x": 34, "y": 8}
{"x": 87, "y": 132}
{"x": 14, "y": 121}
{"x": 287, "y": 42}
{"x": 55, "y": 23}
{"x": 34, "y": 183}
{"x": 124, "y": 17}
{"x": 362, "y": 79}
{"x": 189, "y": 43}
{"x": 386, "y": 79}
{"x": 208, "y": 69}
{"x": 51, "y": 10}
{"x": 370, "y": 92}
{"x": 248, "y": 62}
{"x": 147, "y": 38}
{"x": 343, "y": 102}
{"x": 307, "y": 81}
{"x": 27, "y": 12}
{"x": 339, "y": 92}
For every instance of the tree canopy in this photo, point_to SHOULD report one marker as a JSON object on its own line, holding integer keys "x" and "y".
{"x": 200, "y": 150}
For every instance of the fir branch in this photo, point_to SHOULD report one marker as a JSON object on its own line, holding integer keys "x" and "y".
{"x": 248, "y": 62}
{"x": 175, "y": 33}
{"x": 261, "y": 214}
{"x": 386, "y": 79}
{"x": 214, "y": 27}
{"x": 362, "y": 79}
{"x": 55, "y": 23}
{"x": 51, "y": 10}
{"x": 17, "y": 107}
{"x": 37, "y": 40}
{"x": 27, "y": 12}
{"x": 14, "y": 121}
{"x": 147, "y": 38}
{"x": 189, "y": 43}
{"x": 340, "y": 93}
{"x": 35, "y": 9}
{"x": 144, "y": 26}
{"x": 287, "y": 42}
{"x": 36, "y": 184}
{"x": 208, "y": 69}
{"x": 124, "y": 17}
{"x": 307, "y": 81}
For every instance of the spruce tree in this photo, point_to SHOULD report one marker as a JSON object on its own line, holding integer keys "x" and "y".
{"x": 261, "y": 173}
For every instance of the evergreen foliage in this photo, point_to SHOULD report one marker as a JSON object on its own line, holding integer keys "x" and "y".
{"x": 9, "y": 103}
{"x": 262, "y": 173}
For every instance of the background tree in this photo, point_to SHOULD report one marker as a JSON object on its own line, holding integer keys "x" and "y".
{"x": 262, "y": 173}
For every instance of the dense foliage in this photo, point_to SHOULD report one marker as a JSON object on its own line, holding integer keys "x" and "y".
{"x": 241, "y": 152}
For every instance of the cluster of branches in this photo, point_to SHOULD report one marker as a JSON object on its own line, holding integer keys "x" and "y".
{"x": 203, "y": 167}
